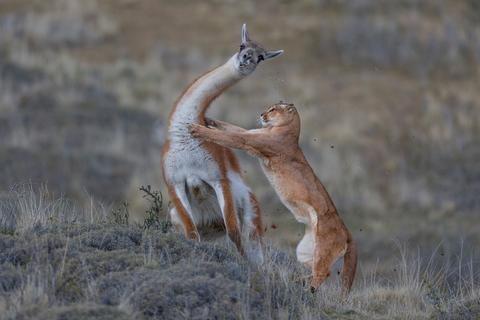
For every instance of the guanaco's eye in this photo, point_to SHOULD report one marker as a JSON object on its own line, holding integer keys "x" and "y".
{"x": 260, "y": 58}
{"x": 242, "y": 46}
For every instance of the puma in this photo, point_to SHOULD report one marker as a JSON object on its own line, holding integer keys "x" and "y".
{"x": 326, "y": 237}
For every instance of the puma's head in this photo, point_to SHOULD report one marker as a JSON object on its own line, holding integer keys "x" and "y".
{"x": 251, "y": 54}
{"x": 280, "y": 114}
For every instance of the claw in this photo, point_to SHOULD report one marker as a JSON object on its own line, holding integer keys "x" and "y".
{"x": 191, "y": 128}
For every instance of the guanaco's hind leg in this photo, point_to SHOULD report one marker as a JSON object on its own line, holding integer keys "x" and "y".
{"x": 179, "y": 198}
{"x": 253, "y": 227}
{"x": 225, "y": 200}
{"x": 175, "y": 218}
{"x": 257, "y": 231}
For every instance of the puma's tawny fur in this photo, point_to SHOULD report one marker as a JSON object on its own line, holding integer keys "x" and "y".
{"x": 204, "y": 179}
{"x": 276, "y": 144}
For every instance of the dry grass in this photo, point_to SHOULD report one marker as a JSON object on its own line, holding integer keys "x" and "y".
{"x": 26, "y": 207}
{"x": 49, "y": 269}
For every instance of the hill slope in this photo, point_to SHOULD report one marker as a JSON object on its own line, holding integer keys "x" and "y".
{"x": 62, "y": 263}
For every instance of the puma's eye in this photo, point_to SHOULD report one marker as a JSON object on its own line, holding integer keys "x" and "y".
{"x": 260, "y": 58}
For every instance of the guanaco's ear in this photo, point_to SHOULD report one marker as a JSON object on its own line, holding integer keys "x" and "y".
{"x": 245, "y": 37}
{"x": 272, "y": 54}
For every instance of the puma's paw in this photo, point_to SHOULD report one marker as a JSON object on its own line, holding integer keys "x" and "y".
{"x": 210, "y": 123}
{"x": 194, "y": 129}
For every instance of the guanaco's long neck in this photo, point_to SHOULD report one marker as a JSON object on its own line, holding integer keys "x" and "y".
{"x": 193, "y": 104}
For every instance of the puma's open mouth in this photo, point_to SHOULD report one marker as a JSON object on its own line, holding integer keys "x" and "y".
{"x": 262, "y": 121}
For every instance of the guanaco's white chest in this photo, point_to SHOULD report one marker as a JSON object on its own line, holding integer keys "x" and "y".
{"x": 187, "y": 158}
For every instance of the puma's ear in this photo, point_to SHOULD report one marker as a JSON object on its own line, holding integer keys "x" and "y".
{"x": 272, "y": 54}
{"x": 291, "y": 109}
{"x": 245, "y": 37}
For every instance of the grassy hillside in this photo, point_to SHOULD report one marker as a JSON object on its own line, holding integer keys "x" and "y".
{"x": 390, "y": 106}
{"x": 60, "y": 262}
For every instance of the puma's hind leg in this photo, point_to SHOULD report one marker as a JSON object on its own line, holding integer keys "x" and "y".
{"x": 305, "y": 248}
{"x": 329, "y": 247}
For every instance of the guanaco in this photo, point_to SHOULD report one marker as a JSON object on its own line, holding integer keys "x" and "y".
{"x": 203, "y": 179}
{"x": 276, "y": 144}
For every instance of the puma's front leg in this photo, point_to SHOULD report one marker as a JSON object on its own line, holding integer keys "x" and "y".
{"x": 222, "y": 125}
{"x": 224, "y": 138}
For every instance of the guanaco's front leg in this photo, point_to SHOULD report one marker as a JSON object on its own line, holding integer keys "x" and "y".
{"x": 183, "y": 210}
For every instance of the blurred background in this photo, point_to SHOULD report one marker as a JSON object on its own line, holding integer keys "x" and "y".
{"x": 388, "y": 92}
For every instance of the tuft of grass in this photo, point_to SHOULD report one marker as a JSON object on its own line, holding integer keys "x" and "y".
{"x": 120, "y": 215}
{"x": 155, "y": 218}
{"x": 27, "y": 206}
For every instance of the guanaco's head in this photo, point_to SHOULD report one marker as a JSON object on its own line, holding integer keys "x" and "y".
{"x": 251, "y": 54}
{"x": 280, "y": 114}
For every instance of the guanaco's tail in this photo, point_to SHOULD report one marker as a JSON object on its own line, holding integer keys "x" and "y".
{"x": 349, "y": 265}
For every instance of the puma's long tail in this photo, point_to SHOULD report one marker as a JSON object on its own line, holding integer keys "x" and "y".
{"x": 349, "y": 265}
